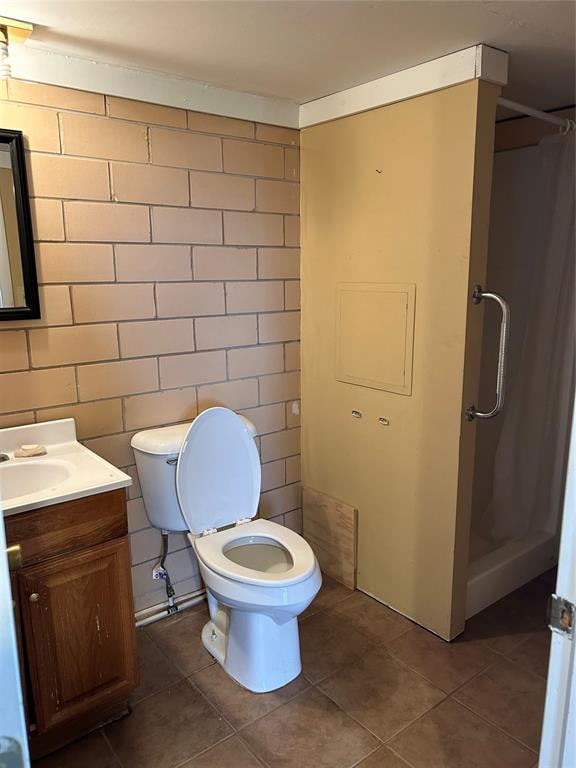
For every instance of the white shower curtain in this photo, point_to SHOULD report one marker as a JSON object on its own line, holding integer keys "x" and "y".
{"x": 530, "y": 459}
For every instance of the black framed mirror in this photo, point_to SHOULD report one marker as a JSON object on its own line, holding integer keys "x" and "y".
{"x": 18, "y": 282}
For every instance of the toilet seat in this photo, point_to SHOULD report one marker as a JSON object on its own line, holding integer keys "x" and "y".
{"x": 218, "y": 472}
{"x": 211, "y": 551}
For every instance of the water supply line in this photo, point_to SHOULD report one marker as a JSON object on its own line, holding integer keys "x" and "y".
{"x": 161, "y": 572}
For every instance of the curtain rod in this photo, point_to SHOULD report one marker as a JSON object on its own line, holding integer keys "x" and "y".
{"x": 563, "y": 122}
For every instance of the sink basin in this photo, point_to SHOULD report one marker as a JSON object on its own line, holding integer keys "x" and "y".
{"x": 67, "y": 471}
{"x": 29, "y": 476}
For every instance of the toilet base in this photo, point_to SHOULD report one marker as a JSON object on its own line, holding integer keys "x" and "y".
{"x": 257, "y": 652}
{"x": 214, "y": 641}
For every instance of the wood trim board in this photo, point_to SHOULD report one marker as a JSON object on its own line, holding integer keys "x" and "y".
{"x": 330, "y": 527}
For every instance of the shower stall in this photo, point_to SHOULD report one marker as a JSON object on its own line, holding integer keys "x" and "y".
{"x": 521, "y": 455}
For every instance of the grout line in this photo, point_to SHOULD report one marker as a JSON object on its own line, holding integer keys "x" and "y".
{"x": 221, "y": 154}
{"x": 111, "y": 197}
{"x": 198, "y": 690}
{"x": 149, "y": 144}
{"x": 274, "y": 708}
{"x": 123, "y": 415}
{"x": 60, "y": 134}
{"x": 522, "y": 665}
{"x": 348, "y": 714}
{"x": 159, "y": 375}
{"x": 189, "y": 759}
{"x": 102, "y": 731}
{"x": 297, "y": 695}
{"x": 251, "y": 175}
{"x": 496, "y": 727}
{"x": 377, "y": 748}
{"x": 404, "y": 760}
{"x": 192, "y": 270}
{"x": 171, "y": 206}
{"x": 413, "y": 722}
{"x": 476, "y": 675}
{"x": 251, "y": 751}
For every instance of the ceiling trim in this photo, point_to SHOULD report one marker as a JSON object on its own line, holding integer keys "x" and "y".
{"x": 477, "y": 62}
{"x": 55, "y": 68}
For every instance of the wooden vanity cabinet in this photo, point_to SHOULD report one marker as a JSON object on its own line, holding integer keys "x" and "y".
{"x": 75, "y": 608}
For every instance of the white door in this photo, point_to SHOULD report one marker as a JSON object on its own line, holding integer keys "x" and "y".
{"x": 558, "y": 746}
{"x": 13, "y": 740}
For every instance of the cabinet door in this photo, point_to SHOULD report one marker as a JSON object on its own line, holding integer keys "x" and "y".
{"x": 80, "y": 636}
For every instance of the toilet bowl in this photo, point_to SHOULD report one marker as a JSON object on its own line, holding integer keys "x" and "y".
{"x": 204, "y": 478}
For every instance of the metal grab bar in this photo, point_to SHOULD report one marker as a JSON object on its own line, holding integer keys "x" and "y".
{"x": 477, "y": 296}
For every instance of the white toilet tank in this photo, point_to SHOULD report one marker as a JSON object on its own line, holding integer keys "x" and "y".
{"x": 156, "y": 452}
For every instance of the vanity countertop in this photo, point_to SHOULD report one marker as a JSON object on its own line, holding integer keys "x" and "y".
{"x": 68, "y": 470}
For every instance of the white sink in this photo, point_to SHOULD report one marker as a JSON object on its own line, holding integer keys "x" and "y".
{"x": 31, "y": 476}
{"x": 67, "y": 471}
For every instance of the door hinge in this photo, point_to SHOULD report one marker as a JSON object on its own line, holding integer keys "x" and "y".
{"x": 561, "y": 615}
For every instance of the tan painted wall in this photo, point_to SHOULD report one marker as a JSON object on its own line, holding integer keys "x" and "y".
{"x": 400, "y": 195}
{"x": 167, "y": 249}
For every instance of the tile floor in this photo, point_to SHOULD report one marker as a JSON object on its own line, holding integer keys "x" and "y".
{"x": 376, "y": 692}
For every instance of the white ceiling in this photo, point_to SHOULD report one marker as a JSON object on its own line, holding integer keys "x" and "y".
{"x": 299, "y": 50}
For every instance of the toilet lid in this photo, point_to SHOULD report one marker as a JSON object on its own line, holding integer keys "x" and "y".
{"x": 218, "y": 471}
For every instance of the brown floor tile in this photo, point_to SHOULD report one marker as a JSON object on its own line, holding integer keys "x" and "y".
{"x": 447, "y": 665}
{"x": 538, "y": 590}
{"x": 376, "y": 621}
{"x": 380, "y": 693}
{"x": 90, "y": 752}
{"x": 166, "y": 728}
{"x": 327, "y": 643}
{"x": 236, "y": 704}
{"x": 308, "y": 732}
{"x": 500, "y": 630}
{"x": 331, "y": 592}
{"x": 383, "y": 758}
{"x": 452, "y": 737}
{"x": 518, "y": 617}
{"x": 534, "y": 654}
{"x": 156, "y": 671}
{"x": 180, "y": 639}
{"x": 231, "y": 753}
{"x": 510, "y": 697}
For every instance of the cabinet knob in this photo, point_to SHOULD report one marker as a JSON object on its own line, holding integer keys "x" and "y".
{"x": 34, "y": 597}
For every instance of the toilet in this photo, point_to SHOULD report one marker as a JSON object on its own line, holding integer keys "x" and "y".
{"x": 204, "y": 478}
